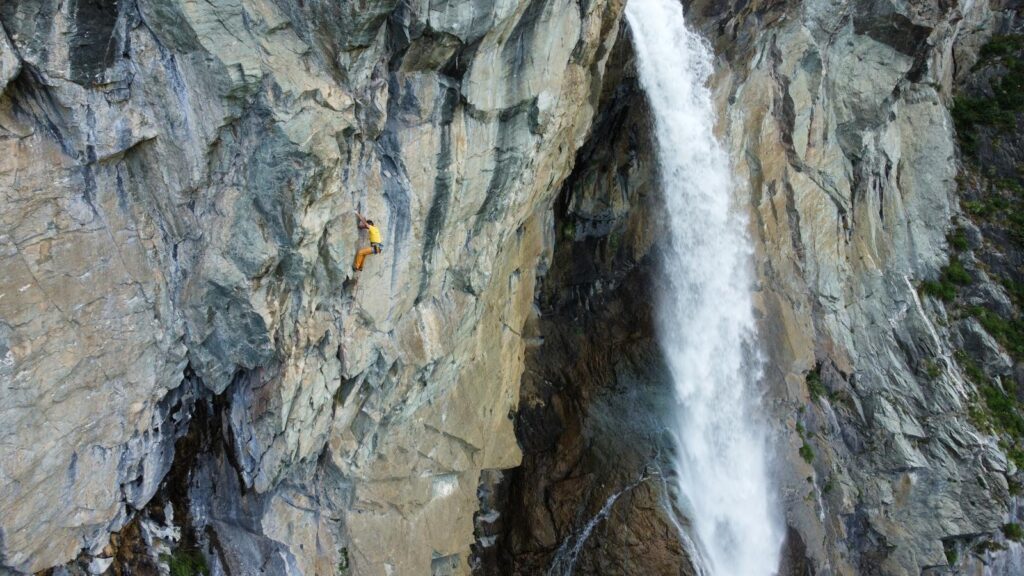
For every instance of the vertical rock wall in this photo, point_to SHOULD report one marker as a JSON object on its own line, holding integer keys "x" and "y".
{"x": 178, "y": 181}
{"x": 594, "y": 492}
{"x": 838, "y": 117}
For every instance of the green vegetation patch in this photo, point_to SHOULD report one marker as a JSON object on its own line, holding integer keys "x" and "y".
{"x": 997, "y": 207}
{"x": 1015, "y": 290}
{"x": 999, "y": 112}
{"x": 1003, "y": 206}
{"x": 953, "y": 276}
{"x": 815, "y": 387}
{"x": 1000, "y": 109}
{"x": 992, "y": 205}
{"x": 1016, "y": 489}
{"x": 343, "y": 563}
{"x": 998, "y": 409}
{"x": 1001, "y": 46}
{"x": 951, "y": 554}
{"x": 988, "y": 546}
{"x": 829, "y": 486}
{"x": 1009, "y": 332}
{"x": 1003, "y": 409}
{"x": 1013, "y": 531}
{"x": 958, "y": 240}
{"x": 807, "y": 453}
{"x": 186, "y": 562}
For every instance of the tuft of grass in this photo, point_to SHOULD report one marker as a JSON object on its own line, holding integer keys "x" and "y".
{"x": 569, "y": 230}
{"x": 987, "y": 207}
{"x": 186, "y": 562}
{"x": 815, "y": 387}
{"x": 1016, "y": 455}
{"x": 970, "y": 367}
{"x": 958, "y": 240}
{"x": 951, "y": 554}
{"x": 1003, "y": 409}
{"x": 955, "y": 273}
{"x": 343, "y": 563}
{"x": 1010, "y": 185}
{"x": 1016, "y": 489}
{"x": 1015, "y": 290}
{"x": 807, "y": 453}
{"x": 829, "y": 486}
{"x": 1009, "y": 332}
{"x": 952, "y": 276}
{"x": 1013, "y": 531}
{"x": 940, "y": 290}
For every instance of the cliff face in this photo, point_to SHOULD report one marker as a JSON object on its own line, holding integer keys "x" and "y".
{"x": 594, "y": 492}
{"x": 178, "y": 183}
{"x": 186, "y": 359}
{"x": 838, "y": 116}
{"x": 885, "y": 258}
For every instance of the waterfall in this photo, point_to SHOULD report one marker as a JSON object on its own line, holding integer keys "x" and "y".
{"x": 706, "y": 324}
{"x": 564, "y": 561}
{"x": 1005, "y": 562}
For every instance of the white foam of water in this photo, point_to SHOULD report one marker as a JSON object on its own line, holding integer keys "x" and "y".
{"x": 706, "y": 322}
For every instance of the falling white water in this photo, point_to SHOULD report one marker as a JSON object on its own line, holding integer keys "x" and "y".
{"x": 1005, "y": 562}
{"x": 564, "y": 561}
{"x": 706, "y": 321}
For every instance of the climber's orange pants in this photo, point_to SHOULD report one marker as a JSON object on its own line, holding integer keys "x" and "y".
{"x": 363, "y": 253}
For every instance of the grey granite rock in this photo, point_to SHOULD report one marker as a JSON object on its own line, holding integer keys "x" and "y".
{"x": 178, "y": 181}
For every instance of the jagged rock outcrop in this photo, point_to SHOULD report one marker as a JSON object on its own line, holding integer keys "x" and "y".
{"x": 178, "y": 180}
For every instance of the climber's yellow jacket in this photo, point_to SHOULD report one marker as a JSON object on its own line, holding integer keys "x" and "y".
{"x": 375, "y": 237}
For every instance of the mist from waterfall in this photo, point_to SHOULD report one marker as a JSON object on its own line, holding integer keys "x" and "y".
{"x": 705, "y": 316}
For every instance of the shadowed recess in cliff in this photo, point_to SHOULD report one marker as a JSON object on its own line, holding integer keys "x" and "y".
{"x": 705, "y": 314}
{"x": 94, "y": 44}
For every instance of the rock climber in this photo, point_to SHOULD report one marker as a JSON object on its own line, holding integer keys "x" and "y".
{"x": 376, "y": 242}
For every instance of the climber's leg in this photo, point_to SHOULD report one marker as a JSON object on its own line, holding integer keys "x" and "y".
{"x": 361, "y": 257}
